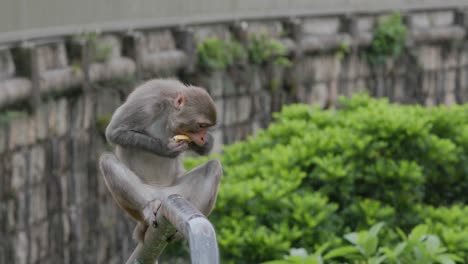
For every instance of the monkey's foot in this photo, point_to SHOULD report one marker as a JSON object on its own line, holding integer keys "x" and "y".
{"x": 150, "y": 212}
{"x": 176, "y": 237}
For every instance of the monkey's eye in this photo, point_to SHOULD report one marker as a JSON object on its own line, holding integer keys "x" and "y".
{"x": 203, "y": 125}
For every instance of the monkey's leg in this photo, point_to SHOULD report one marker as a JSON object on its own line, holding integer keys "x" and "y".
{"x": 140, "y": 200}
{"x": 126, "y": 188}
{"x": 200, "y": 185}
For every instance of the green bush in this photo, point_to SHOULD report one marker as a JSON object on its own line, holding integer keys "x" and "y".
{"x": 419, "y": 247}
{"x": 315, "y": 175}
{"x": 451, "y": 225}
{"x": 217, "y": 54}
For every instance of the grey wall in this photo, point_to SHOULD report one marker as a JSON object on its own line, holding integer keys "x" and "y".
{"x": 26, "y": 18}
{"x": 55, "y": 99}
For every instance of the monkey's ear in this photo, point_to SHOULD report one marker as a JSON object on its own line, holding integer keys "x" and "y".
{"x": 179, "y": 100}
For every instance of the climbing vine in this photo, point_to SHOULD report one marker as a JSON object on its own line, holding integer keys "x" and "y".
{"x": 389, "y": 39}
{"x": 262, "y": 48}
{"x": 217, "y": 54}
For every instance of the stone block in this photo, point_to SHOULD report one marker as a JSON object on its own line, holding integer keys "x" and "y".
{"x": 230, "y": 111}
{"x": 320, "y": 68}
{"x": 21, "y": 242}
{"x": 256, "y": 127}
{"x": 52, "y": 118}
{"x": 432, "y": 19}
{"x": 11, "y": 217}
{"x": 89, "y": 112}
{"x": 66, "y": 227}
{"x": 463, "y": 86}
{"x": 209, "y": 31}
{"x": 80, "y": 154}
{"x": 318, "y": 95}
{"x": 37, "y": 164}
{"x": 236, "y": 133}
{"x": 273, "y": 29}
{"x": 229, "y": 87}
{"x": 429, "y": 86}
{"x": 442, "y": 18}
{"x": 39, "y": 242}
{"x": 219, "y": 103}
{"x": 245, "y": 108}
{"x": 157, "y": 41}
{"x": 3, "y": 137}
{"x": 261, "y": 105}
{"x": 450, "y": 59}
{"x": 350, "y": 67}
{"x": 449, "y": 85}
{"x": 430, "y": 57}
{"x": 63, "y": 118}
{"x": 38, "y": 203}
{"x": 109, "y": 100}
{"x": 256, "y": 80}
{"x": 420, "y": 20}
{"x": 51, "y": 56}
{"x": 19, "y": 176}
{"x": 464, "y": 56}
{"x": 399, "y": 90}
{"x": 19, "y": 133}
{"x": 214, "y": 84}
{"x": 20, "y": 210}
{"x": 110, "y": 42}
{"x": 321, "y": 26}
{"x": 218, "y": 141}
{"x": 7, "y": 66}
{"x": 41, "y": 120}
{"x": 365, "y": 24}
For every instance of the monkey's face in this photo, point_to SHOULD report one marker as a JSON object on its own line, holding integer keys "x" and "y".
{"x": 194, "y": 114}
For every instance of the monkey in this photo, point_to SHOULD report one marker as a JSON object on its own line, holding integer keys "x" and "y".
{"x": 143, "y": 130}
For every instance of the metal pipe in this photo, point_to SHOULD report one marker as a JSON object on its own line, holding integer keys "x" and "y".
{"x": 178, "y": 214}
{"x": 194, "y": 226}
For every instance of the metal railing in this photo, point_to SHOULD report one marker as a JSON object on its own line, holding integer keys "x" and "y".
{"x": 177, "y": 216}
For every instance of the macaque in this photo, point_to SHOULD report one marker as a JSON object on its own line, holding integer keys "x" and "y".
{"x": 159, "y": 120}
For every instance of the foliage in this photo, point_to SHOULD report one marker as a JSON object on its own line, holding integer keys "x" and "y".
{"x": 451, "y": 225}
{"x": 8, "y": 116}
{"x": 217, "y": 54}
{"x": 101, "y": 123}
{"x": 389, "y": 39}
{"x": 315, "y": 175}
{"x": 419, "y": 247}
{"x": 102, "y": 51}
{"x": 343, "y": 50}
{"x": 262, "y": 48}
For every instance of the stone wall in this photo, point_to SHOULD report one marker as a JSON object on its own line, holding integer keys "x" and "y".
{"x": 56, "y": 97}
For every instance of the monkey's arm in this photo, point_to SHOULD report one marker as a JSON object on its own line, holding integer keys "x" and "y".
{"x": 141, "y": 140}
{"x": 128, "y": 129}
{"x": 206, "y": 148}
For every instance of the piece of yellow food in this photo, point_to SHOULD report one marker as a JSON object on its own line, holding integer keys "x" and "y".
{"x": 178, "y": 138}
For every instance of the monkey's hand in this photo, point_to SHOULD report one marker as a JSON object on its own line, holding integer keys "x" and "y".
{"x": 174, "y": 148}
{"x": 150, "y": 212}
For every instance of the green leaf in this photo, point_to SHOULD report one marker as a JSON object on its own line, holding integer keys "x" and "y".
{"x": 377, "y": 260}
{"x": 341, "y": 252}
{"x": 352, "y": 237}
{"x": 418, "y": 232}
{"x": 376, "y": 229}
{"x": 432, "y": 243}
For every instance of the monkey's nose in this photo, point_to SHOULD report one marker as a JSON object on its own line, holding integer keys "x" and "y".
{"x": 202, "y": 139}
